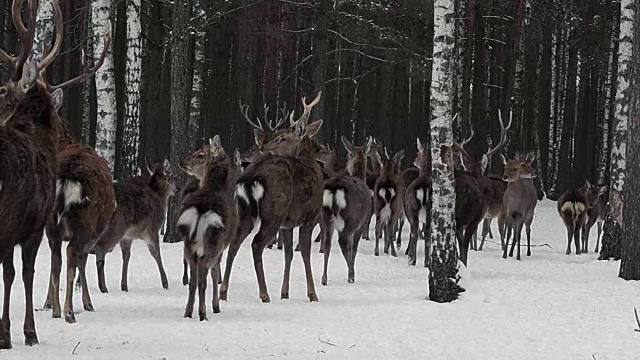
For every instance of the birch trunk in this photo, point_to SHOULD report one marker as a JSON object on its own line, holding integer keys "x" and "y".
{"x": 105, "y": 84}
{"x": 44, "y": 28}
{"x": 612, "y": 227}
{"x": 195, "y": 133}
{"x": 131, "y": 129}
{"x": 443, "y": 272}
{"x": 630, "y": 109}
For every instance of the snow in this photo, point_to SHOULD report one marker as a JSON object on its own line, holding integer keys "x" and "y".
{"x": 548, "y": 306}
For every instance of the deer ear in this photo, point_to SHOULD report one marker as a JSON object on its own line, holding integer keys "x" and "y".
{"x": 313, "y": 128}
{"x": 530, "y": 157}
{"x": 29, "y": 75}
{"x": 484, "y": 162}
{"x": 237, "y": 159}
{"x": 602, "y": 190}
{"x": 504, "y": 159}
{"x": 57, "y": 96}
{"x": 367, "y": 146}
{"x": 301, "y": 128}
{"x": 587, "y": 183}
{"x": 397, "y": 158}
{"x": 167, "y": 166}
{"x": 149, "y": 165}
{"x": 347, "y": 144}
{"x": 420, "y": 146}
{"x": 256, "y": 137}
{"x": 215, "y": 142}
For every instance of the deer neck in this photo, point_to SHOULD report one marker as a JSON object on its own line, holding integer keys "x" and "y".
{"x": 358, "y": 169}
{"x": 64, "y": 135}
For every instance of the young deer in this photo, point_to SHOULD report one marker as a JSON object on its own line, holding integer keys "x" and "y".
{"x": 142, "y": 205}
{"x": 388, "y": 202}
{"x": 346, "y": 204}
{"x": 372, "y": 176}
{"x": 573, "y": 206}
{"x": 520, "y": 200}
{"x": 417, "y": 204}
{"x": 283, "y": 189}
{"x": 27, "y": 169}
{"x": 207, "y": 223}
{"x": 596, "y": 213}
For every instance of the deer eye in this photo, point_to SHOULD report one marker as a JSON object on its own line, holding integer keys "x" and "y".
{"x": 281, "y": 140}
{"x": 3, "y": 91}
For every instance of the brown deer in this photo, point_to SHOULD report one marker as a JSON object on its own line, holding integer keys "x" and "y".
{"x": 388, "y": 201}
{"x": 417, "y": 204}
{"x": 27, "y": 168}
{"x": 84, "y": 195}
{"x": 142, "y": 206}
{"x": 346, "y": 205}
{"x": 573, "y": 207}
{"x": 207, "y": 223}
{"x": 519, "y": 200}
{"x": 283, "y": 189}
{"x": 595, "y": 213}
{"x": 372, "y": 175}
{"x": 197, "y": 172}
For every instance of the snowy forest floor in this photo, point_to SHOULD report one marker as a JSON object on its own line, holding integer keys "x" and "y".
{"x": 549, "y": 306}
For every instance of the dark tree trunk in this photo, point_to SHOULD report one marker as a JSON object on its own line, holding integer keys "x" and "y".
{"x": 180, "y": 97}
{"x": 565, "y": 168}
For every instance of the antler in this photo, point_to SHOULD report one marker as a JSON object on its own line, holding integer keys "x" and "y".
{"x": 25, "y": 33}
{"x": 269, "y": 123}
{"x": 503, "y": 134}
{"x": 55, "y": 50}
{"x": 244, "y": 110}
{"x": 460, "y": 146}
{"x": 307, "y": 109}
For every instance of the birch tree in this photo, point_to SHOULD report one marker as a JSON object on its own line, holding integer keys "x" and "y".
{"x": 195, "y": 131}
{"x": 613, "y": 230}
{"x": 630, "y": 249}
{"x": 44, "y": 27}
{"x": 131, "y": 129}
{"x": 443, "y": 274}
{"x": 105, "y": 84}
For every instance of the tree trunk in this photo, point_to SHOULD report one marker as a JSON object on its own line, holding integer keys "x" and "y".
{"x": 196, "y": 137}
{"x": 443, "y": 272}
{"x": 105, "y": 84}
{"x": 180, "y": 97}
{"x": 131, "y": 128}
{"x": 612, "y": 229}
{"x": 44, "y": 28}
{"x": 630, "y": 249}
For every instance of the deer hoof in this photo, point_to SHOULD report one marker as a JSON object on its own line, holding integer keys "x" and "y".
{"x": 324, "y": 281}
{"x": 376, "y": 252}
{"x": 70, "y": 317}
{"x": 351, "y": 280}
{"x": 30, "y": 338}
{"x": 89, "y": 307}
{"x": 203, "y": 317}
{"x": 188, "y": 314}
{"x": 284, "y": 296}
{"x": 216, "y": 309}
{"x": 313, "y": 297}
{"x": 165, "y": 286}
{"x": 124, "y": 288}
{"x": 47, "y": 306}
{"x": 104, "y": 290}
{"x": 223, "y": 295}
{"x": 56, "y": 314}
{"x": 265, "y": 298}
{"x": 528, "y": 253}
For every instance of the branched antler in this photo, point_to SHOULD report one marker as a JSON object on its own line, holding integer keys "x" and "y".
{"x": 307, "y": 109}
{"x": 244, "y": 110}
{"x": 503, "y": 134}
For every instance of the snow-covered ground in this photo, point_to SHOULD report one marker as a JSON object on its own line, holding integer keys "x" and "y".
{"x": 548, "y": 306}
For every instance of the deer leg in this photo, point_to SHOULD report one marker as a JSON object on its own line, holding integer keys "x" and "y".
{"x": 185, "y": 272}
{"x": 514, "y": 242}
{"x": 569, "y": 237}
{"x": 82, "y": 267}
{"x": 125, "y": 248}
{"x": 528, "y": 230}
{"x": 413, "y": 243}
{"x": 153, "y": 244}
{"x": 399, "y": 232}
{"x": 586, "y": 232}
{"x": 72, "y": 264}
{"x": 391, "y": 230}
{"x": 326, "y": 244}
{"x": 486, "y": 229}
{"x": 100, "y": 256}
{"x": 304, "y": 237}
{"x": 598, "y": 239}
{"x": 378, "y": 234}
{"x": 244, "y": 228}
{"x": 203, "y": 270}
{"x": 193, "y": 283}
{"x": 343, "y": 241}
{"x": 355, "y": 241}
{"x": 576, "y": 238}
{"x": 215, "y": 276}
{"x": 517, "y": 235}
{"x": 267, "y": 231}
{"x": 53, "y": 295}
{"x": 287, "y": 239}
{"x": 29, "y": 252}
{"x": 367, "y": 225}
{"x": 502, "y": 221}
{"x": 8, "y": 276}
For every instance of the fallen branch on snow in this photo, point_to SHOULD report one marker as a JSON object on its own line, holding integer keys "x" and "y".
{"x": 637, "y": 320}
{"x": 524, "y": 245}
{"x": 75, "y": 348}
{"x": 326, "y": 342}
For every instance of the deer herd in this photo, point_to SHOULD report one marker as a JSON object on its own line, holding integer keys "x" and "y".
{"x": 49, "y": 182}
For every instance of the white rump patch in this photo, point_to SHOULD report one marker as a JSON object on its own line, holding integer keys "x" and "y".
{"x": 189, "y": 218}
{"x": 338, "y": 223}
{"x": 327, "y": 199}
{"x": 422, "y": 216}
{"x": 198, "y": 225}
{"x": 71, "y": 190}
{"x": 573, "y": 207}
{"x": 420, "y": 195}
{"x": 385, "y": 213}
{"x": 258, "y": 191}
{"x": 382, "y": 193}
{"x": 341, "y": 200}
{"x": 242, "y": 193}
{"x": 393, "y": 193}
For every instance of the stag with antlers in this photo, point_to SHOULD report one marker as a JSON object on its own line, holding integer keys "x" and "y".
{"x": 283, "y": 189}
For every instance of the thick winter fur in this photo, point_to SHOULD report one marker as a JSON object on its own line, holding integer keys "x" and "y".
{"x": 27, "y": 176}
{"x": 519, "y": 200}
{"x": 389, "y": 202}
{"x": 469, "y": 209}
{"x": 207, "y": 224}
{"x": 142, "y": 206}
{"x": 346, "y": 206}
{"x": 417, "y": 204}
{"x": 493, "y": 195}
{"x": 283, "y": 189}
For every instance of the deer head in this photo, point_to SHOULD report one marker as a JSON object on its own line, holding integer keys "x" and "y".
{"x": 162, "y": 175}
{"x": 423, "y": 158}
{"x": 197, "y": 163}
{"x": 357, "y": 157}
{"x": 392, "y": 164}
{"x": 324, "y": 154}
{"x": 518, "y": 168}
{"x": 593, "y": 192}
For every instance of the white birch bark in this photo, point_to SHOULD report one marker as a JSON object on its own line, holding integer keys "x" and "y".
{"x": 86, "y": 106}
{"x": 105, "y": 84}
{"x": 196, "y": 90}
{"x": 44, "y": 28}
{"x": 444, "y": 260}
{"x": 131, "y": 130}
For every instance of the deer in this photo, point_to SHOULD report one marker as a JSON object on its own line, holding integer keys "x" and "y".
{"x": 283, "y": 189}
{"x": 519, "y": 200}
{"x": 346, "y": 205}
{"x": 376, "y": 165}
{"x": 28, "y": 148}
{"x": 493, "y": 186}
{"x": 207, "y": 223}
{"x": 142, "y": 206}
{"x": 388, "y": 201}
{"x": 417, "y": 204}
{"x": 197, "y": 173}
{"x": 573, "y": 206}
{"x": 595, "y": 213}
{"x": 85, "y": 200}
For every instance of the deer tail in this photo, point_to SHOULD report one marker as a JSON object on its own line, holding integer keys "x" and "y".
{"x": 248, "y": 195}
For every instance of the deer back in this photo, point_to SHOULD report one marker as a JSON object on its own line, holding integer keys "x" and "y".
{"x": 469, "y": 199}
